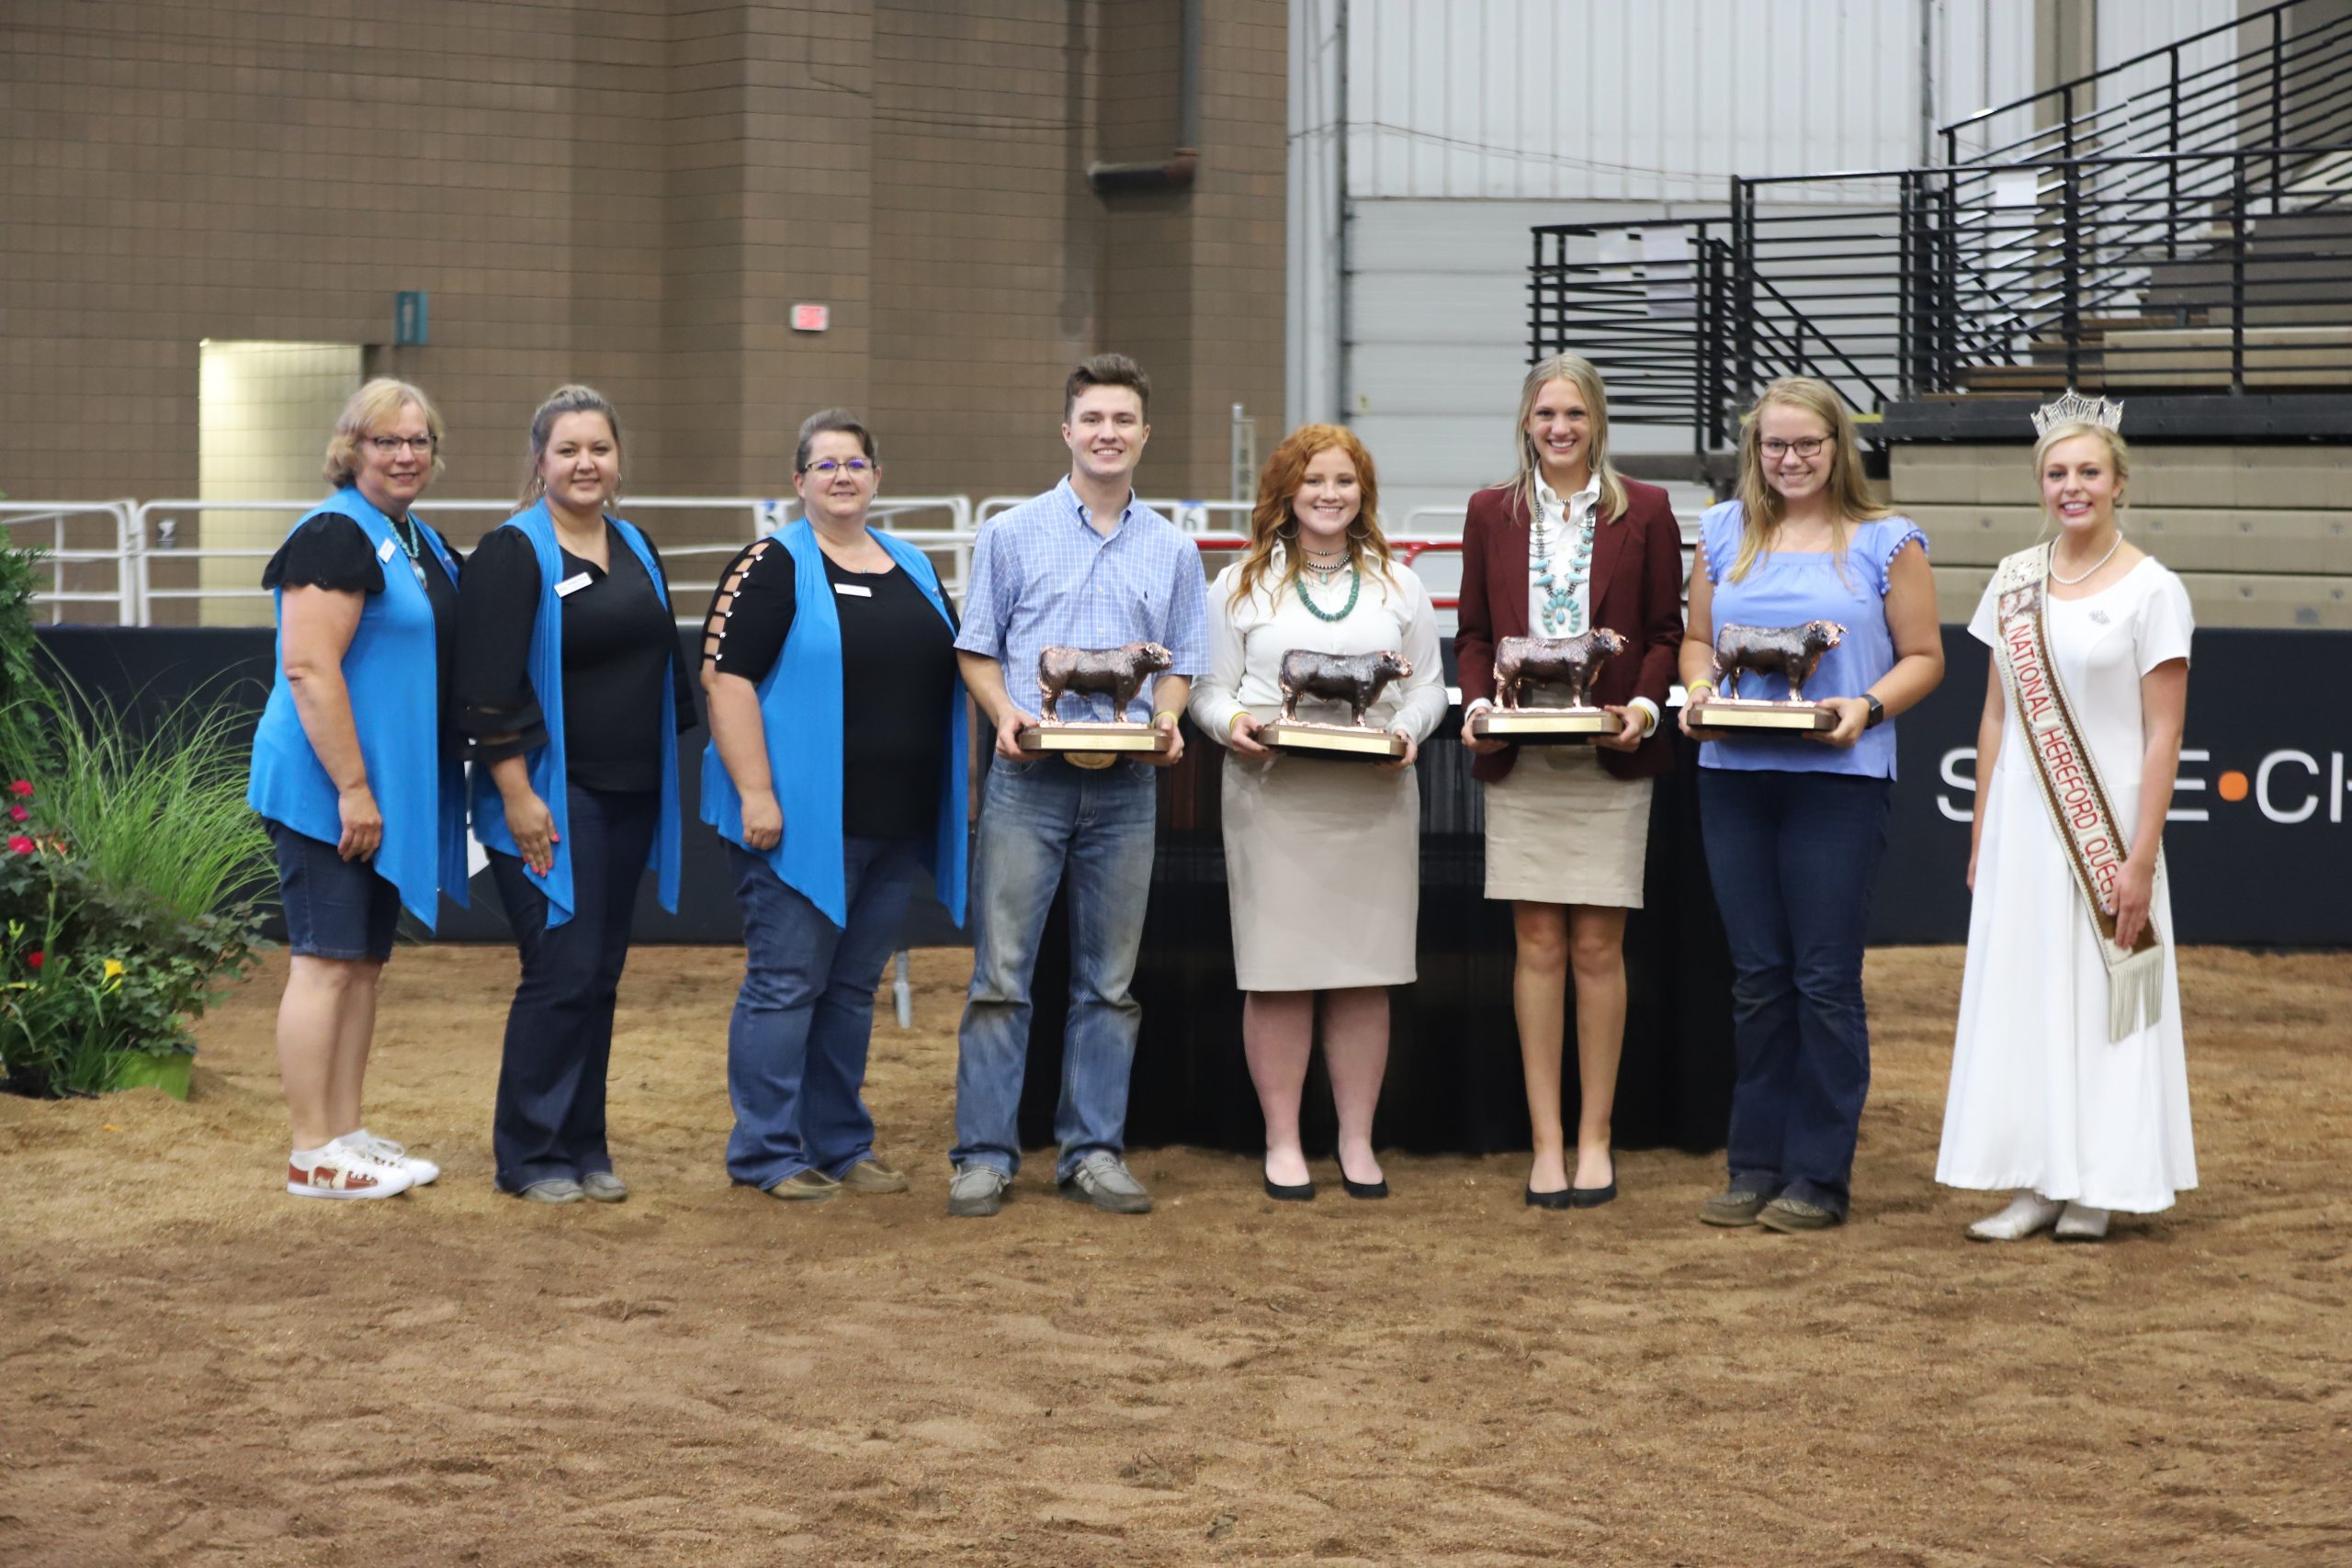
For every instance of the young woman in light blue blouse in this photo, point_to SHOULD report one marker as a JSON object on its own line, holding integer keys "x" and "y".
{"x": 1794, "y": 824}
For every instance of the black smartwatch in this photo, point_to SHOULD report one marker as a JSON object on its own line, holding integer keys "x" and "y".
{"x": 1878, "y": 711}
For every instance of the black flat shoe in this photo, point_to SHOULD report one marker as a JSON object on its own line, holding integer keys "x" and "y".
{"x": 1302, "y": 1194}
{"x": 1561, "y": 1198}
{"x": 1594, "y": 1197}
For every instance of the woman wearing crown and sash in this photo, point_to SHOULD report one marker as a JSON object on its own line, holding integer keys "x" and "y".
{"x": 2069, "y": 1078}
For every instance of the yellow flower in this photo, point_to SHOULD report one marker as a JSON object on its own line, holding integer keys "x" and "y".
{"x": 114, "y": 968}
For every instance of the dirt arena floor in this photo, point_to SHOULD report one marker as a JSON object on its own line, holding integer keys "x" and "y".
{"x": 196, "y": 1368}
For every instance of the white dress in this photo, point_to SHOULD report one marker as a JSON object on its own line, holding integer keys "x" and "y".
{"x": 2040, "y": 1098}
{"x": 1322, "y": 857}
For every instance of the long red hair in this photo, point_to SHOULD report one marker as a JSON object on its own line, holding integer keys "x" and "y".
{"x": 1271, "y": 523}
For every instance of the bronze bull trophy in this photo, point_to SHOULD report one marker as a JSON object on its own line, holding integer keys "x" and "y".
{"x": 1355, "y": 678}
{"x": 1792, "y": 653}
{"x": 1118, "y": 673}
{"x": 1569, "y": 663}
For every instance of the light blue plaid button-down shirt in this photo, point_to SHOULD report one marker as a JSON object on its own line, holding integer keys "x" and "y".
{"x": 1042, "y": 577}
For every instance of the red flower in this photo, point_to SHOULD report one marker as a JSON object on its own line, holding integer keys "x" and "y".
{"x": 35, "y": 960}
{"x": 18, "y": 813}
{"x": 20, "y": 845}
{"x": 21, "y": 786}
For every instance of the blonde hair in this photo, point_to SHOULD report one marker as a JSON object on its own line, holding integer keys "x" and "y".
{"x": 1578, "y": 372}
{"x": 1269, "y": 519}
{"x": 377, "y": 402}
{"x": 1760, "y": 505}
{"x": 571, "y": 398}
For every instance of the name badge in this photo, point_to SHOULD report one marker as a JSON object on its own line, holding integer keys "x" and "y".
{"x": 384, "y": 551}
{"x": 852, "y": 591}
{"x": 573, "y": 584}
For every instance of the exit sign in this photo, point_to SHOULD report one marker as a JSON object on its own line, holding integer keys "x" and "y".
{"x": 811, "y": 318}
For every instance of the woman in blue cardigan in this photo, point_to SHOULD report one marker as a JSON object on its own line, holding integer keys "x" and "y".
{"x": 573, "y": 696}
{"x": 355, "y": 771}
{"x": 835, "y": 773}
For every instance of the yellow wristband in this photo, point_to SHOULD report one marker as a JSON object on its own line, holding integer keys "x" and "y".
{"x": 1165, "y": 714}
{"x": 1238, "y": 715}
{"x": 1690, "y": 689}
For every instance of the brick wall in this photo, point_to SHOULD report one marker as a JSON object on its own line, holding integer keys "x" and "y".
{"x": 633, "y": 193}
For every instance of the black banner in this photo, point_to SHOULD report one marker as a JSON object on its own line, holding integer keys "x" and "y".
{"x": 2259, "y": 850}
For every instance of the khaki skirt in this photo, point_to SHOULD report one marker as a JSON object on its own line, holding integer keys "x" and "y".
{"x": 1562, "y": 829}
{"x": 1323, "y": 867}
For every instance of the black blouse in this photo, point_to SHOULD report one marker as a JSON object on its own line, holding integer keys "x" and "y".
{"x": 329, "y": 550}
{"x": 619, "y": 646}
{"x": 897, "y": 677}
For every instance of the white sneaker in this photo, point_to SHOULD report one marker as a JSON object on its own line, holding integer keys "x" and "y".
{"x": 2027, "y": 1213}
{"x": 340, "y": 1173}
{"x": 2081, "y": 1223}
{"x": 385, "y": 1151}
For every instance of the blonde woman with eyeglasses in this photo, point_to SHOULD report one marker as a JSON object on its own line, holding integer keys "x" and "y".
{"x": 356, "y": 771}
{"x": 1794, "y": 824}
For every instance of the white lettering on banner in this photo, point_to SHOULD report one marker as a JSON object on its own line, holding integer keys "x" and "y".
{"x": 2303, "y": 760}
{"x": 2182, "y": 780}
{"x": 1954, "y": 759}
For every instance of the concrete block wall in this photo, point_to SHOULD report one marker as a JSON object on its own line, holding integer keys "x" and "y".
{"x": 2260, "y": 535}
{"x": 634, "y": 193}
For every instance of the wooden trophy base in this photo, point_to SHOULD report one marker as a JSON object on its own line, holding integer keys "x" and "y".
{"x": 1339, "y": 742}
{"x": 1755, "y": 716}
{"x": 1094, "y": 745}
{"x": 1544, "y": 726}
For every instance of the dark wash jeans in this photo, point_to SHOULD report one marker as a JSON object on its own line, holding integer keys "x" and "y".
{"x": 796, "y": 1044}
{"x": 1794, "y": 857}
{"x": 550, "y": 1117}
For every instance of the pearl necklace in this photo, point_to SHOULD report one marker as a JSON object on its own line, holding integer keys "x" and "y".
{"x": 2070, "y": 581}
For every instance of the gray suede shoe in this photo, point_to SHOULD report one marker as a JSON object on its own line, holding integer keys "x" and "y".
{"x": 1790, "y": 1215}
{"x": 554, "y": 1189}
{"x": 870, "y": 1175}
{"x": 804, "y": 1187}
{"x": 1101, "y": 1179}
{"x": 603, "y": 1186}
{"x": 1733, "y": 1208}
{"x": 977, "y": 1193}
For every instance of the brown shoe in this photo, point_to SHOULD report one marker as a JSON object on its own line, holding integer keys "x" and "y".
{"x": 804, "y": 1187}
{"x": 870, "y": 1175}
{"x": 1789, "y": 1215}
{"x": 1732, "y": 1208}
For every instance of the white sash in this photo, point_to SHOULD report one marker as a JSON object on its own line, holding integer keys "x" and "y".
{"x": 2070, "y": 788}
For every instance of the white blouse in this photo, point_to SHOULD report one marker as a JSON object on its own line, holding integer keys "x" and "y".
{"x": 1561, "y": 520}
{"x": 1247, "y": 642}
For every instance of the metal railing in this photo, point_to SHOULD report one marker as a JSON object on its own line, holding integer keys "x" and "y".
{"x": 83, "y": 535}
{"x": 143, "y": 546}
{"x": 2022, "y": 275}
{"x": 152, "y": 549}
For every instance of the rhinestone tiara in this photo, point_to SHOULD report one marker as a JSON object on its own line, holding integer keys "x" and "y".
{"x": 2073, "y": 408}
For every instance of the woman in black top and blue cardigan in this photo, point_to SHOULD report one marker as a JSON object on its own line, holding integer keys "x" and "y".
{"x": 836, "y": 772}
{"x": 573, "y": 694}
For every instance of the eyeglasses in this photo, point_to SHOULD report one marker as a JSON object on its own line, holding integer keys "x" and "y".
{"x": 1807, "y": 446}
{"x": 393, "y": 446}
{"x": 827, "y": 467}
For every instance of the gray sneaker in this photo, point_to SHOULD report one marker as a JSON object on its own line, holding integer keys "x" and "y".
{"x": 977, "y": 1193}
{"x": 603, "y": 1186}
{"x": 1790, "y": 1215}
{"x": 1735, "y": 1208}
{"x": 1102, "y": 1181}
{"x": 554, "y": 1189}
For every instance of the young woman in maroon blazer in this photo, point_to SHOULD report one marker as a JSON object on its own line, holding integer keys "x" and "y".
{"x": 1566, "y": 546}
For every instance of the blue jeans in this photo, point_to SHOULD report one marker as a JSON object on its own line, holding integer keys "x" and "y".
{"x": 1039, "y": 822}
{"x": 796, "y": 1046}
{"x": 1792, "y": 857}
{"x": 551, "y": 1116}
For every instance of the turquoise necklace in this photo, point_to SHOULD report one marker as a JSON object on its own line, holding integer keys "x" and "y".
{"x": 1563, "y": 600}
{"x": 1355, "y": 587}
{"x": 407, "y": 530}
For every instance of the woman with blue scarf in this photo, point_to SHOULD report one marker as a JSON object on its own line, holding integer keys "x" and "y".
{"x": 572, "y": 695}
{"x": 835, "y": 774}
{"x": 356, "y": 771}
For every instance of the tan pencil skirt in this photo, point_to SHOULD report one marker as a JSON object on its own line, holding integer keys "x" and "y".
{"x": 1562, "y": 829}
